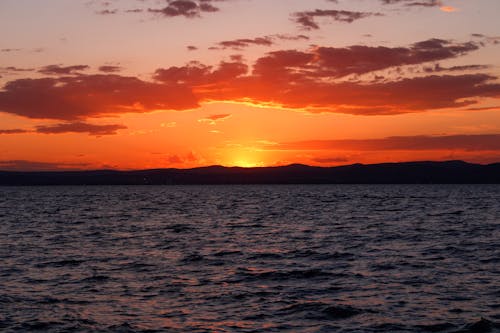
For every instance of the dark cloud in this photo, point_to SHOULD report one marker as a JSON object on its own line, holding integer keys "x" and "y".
{"x": 10, "y": 50}
{"x": 75, "y": 127}
{"x": 23, "y": 165}
{"x": 196, "y": 73}
{"x": 477, "y": 142}
{"x": 13, "y": 131}
{"x": 438, "y": 68}
{"x": 317, "y": 80}
{"x": 167, "y": 8}
{"x": 80, "y": 127}
{"x": 494, "y": 40}
{"x": 136, "y": 10}
{"x": 79, "y": 97}
{"x": 62, "y": 70}
{"x": 186, "y": 8}
{"x": 307, "y": 19}
{"x": 12, "y": 69}
{"x": 191, "y": 48}
{"x": 328, "y": 160}
{"x": 241, "y": 43}
{"x": 291, "y": 37}
{"x": 413, "y": 3}
{"x": 238, "y": 44}
{"x": 358, "y": 59}
{"x": 110, "y": 69}
{"x": 107, "y": 12}
{"x": 396, "y": 97}
{"x": 485, "y": 108}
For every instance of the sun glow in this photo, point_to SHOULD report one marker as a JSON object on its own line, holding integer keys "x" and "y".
{"x": 246, "y": 159}
{"x": 246, "y": 164}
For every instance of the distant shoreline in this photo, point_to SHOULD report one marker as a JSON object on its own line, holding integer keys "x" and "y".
{"x": 449, "y": 172}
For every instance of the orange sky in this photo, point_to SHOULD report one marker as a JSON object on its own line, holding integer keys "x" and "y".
{"x": 135, "y": 84}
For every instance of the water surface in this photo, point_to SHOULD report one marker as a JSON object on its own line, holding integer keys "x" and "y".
{"x": 330, "y": 258}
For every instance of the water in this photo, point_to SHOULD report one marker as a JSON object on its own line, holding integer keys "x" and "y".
{"x": 374, "y": 258}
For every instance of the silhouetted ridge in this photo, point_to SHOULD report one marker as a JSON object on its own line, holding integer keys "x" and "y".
{"x": 458, "y": 172}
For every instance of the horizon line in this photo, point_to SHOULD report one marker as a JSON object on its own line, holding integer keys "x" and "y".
{"x": 251, "y": 167}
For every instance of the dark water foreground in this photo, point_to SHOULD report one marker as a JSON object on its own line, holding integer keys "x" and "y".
{"x": 348, "y": 258}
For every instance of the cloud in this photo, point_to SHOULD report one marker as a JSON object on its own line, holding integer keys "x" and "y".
{"x": 241, "y": 43}
{"x": 75, "y": 127}
{"x": 7, "y": 50}
{"x": 195, "y": 73}
{"x": 495, "y": 40}
{"x": 291, "y": 37}
{"x": 478, "y": 142}
{"x": 306, "y": 19}
{"x": 110, "y": 69}
{"x": 13, "y": 70}
{"x": 186, "y": 8}
{"x": 170, "y": 8}
{"x": 191, "y": 48}
{"x": 169, "y": 124}
{"x": 83, "y": 96}
{"x": 485, "y": 108}
{"x": 329, "y": 160}
{"x": 214, "y": 119}
{"x": 448, "y": 9}
{"x": 80, "y": 127}
{"x": 407, "y": 95}
{"x": 437, "y": 68}
{"x": 238, "y": 44}
{"x": 322, "y": 79}
{"x": 61, "y": 70}
{"x": 413, "y": 3}
{"x": 107, "y": 12}
{"x": 334, "y": 62}
{"x": 189, "y": 158}
{"x": 360, "y": 59}
{"x": 136, "y": 10}
{"x": 23, "y": 165}
{"x": 13, "y": 131}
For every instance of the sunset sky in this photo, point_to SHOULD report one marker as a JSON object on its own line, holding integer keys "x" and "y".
{"x": 137, "y": 84}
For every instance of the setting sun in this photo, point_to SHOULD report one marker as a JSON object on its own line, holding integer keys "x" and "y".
{"x": 244, "y": 159}
{"x": 246, "y": 164}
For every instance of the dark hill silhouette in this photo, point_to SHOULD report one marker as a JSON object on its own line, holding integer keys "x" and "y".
{"x": 386, "y": 173}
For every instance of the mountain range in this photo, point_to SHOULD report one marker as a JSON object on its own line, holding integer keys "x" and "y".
{"x": 447, "y": 172}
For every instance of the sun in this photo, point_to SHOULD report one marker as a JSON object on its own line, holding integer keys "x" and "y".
{"x": 246, "y": 163}
{"x": 245, "y": 159}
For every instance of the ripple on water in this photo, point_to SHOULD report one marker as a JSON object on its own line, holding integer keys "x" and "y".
{"x": 346, "y": 258}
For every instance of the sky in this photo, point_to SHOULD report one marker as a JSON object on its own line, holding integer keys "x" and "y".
{"x": 141, "y": 84}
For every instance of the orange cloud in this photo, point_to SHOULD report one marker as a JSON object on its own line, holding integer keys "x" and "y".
{"x": 24, "y": 165}
{"x": 79, "y": 127}
{"x": 75, "y": 127}
{"x": 83, "y": 96}
{"x": 313, "y": 80}
{"x": 213, "y": 119}
{"x": 13, "y": 131}
{"x": 478, "y": 142}
{"x": 448, "y": 9}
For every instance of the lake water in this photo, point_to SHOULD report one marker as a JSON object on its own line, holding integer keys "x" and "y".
{"x": 330, "y": 258}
